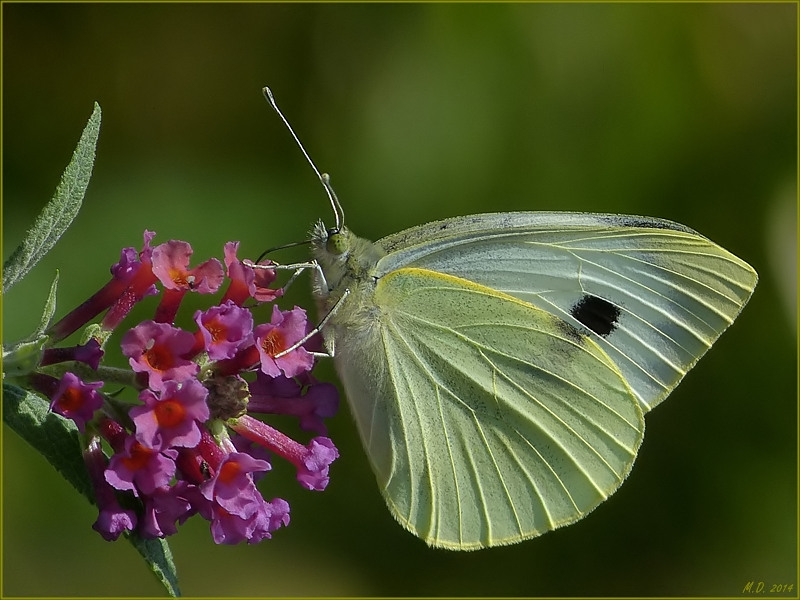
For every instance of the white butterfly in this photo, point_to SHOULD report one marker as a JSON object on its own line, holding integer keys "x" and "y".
{"x": 499, "y": 366}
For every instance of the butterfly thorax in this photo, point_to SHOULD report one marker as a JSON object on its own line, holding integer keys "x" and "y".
{"x": 347, "y": 262}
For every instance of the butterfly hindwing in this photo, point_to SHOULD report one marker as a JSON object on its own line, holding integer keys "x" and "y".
{"x": 489, "y": 420}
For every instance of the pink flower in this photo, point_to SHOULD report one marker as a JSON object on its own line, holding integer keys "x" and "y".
{"x": 263, "y": 281}
{"x": 283, "y": 396}
{"x": 171, "y": 266}
{"x": 132, "y": 280}
{"x": 158, "y": 349}
{"x": 224, "y": 329}
{"x": 112, "y": 519}
{"x": 239, "y": 512}
{"x": 285, "y": 329}
{"x": 140, "y": 468}
{"x": 170, "y": 417}
{"x": 89, "y": 353}
{"x": 76, "y": 400}
{"x": 242, "y": 277}
{"x": 167, "y": 506}
{"x": 312, "y": 461}
{"x": 246, "y": 281}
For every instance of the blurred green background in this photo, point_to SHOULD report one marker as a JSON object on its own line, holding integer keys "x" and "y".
{"x": 423, "y": 111}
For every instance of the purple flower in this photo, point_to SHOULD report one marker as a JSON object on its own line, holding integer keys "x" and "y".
{"x": 132, "y": 280}
{"x": 112, "y": 519}
{"x": 89, "y": 353}
{"x": 170, "y": 417}
{"x": 285, "y": 329}
{"x": 76, "y": 400}
{"x": 283, "y": 396}
{"x": 274, "y": 515}
{"x": 167, "y": 506}
{"x": 238, "y": 511}
{"x": 141, "y": 468}
{"x": 232, "y": 488}
{"x": 312, "y": 461}
{"x": 225, "y": 329}
{"x": 242, "y": 444}
{"x": 171, "y": 266}
{"x": 158, "y": 349}
{"x": 320, "y": 453}
{"x": 139, "y": 280}
{"x": 227, "y": 528}
{"x": 190, "y": 447}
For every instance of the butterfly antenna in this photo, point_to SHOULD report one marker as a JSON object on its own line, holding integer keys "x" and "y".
{"x": 324, "y": 178}
{"x": 282, "y": 247}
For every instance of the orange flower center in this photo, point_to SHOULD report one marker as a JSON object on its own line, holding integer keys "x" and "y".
{"x": 179, "y": 277}
{"x": 169, "y": 413}
{"x": 229, "y": 471}
{"x": 217, "y": 331}
{"x": 159, "y": 358}
{"x": 273, "y": 343}
{"x": 138, "y": 458}
{"x": 70, "y": 400}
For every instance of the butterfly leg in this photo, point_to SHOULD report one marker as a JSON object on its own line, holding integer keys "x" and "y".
{"x": 318, "y": 329}
{"x": 297, "y": 267}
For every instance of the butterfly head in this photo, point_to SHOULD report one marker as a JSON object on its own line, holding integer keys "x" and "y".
{"x": 330, "y": 243}
{"x": 343, "y": 255}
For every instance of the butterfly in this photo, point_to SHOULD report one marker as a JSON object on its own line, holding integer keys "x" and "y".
{"x": 499, "y": 366}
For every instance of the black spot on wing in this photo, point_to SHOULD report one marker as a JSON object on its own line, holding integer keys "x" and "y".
{"x": 599, "y": 315}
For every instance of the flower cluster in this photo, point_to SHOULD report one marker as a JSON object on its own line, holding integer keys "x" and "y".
{"x": 191, "y": 445}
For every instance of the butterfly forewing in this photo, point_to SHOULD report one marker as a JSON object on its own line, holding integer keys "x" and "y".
{"x": 653, "y": 294}
{"x": 491, "y": 420}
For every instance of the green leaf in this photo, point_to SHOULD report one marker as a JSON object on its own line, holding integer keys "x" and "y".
{"x": 23, "y": 358}
{"x": 158, "y": 556}
{"x": 59, "y": 213}
{"x": 49, "y": 308}
{"x": 58, "y": 440}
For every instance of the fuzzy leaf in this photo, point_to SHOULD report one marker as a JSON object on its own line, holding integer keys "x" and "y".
{"x": 158, "y": 556}
{"x": 49, "y": 309}
{"x": 55, "y": 438}
{"x": 59, "y": 213}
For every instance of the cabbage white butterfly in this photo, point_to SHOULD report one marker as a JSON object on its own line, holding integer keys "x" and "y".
{"x": 499, "y": 366}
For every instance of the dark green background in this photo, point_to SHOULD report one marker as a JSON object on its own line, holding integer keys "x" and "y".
{"x": 682, "y": 111}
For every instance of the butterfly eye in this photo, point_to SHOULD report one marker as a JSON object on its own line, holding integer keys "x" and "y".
{"x": 337, "y": 244}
